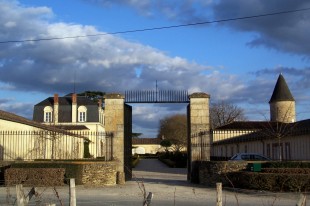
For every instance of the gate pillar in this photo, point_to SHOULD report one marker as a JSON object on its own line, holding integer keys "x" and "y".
{"x": 198, "y": 133}
{"x": 114, "y": 122}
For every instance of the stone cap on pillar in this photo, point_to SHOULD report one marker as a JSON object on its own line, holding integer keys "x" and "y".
{"x": 114, "y": 96}
{"x": 199, "y": 95}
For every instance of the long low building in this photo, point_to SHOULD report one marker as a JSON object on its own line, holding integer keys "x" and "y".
{"x": 146, "y": 146}
{"x": 278, "y": 141}
{"x": 23, "y": 139}
{"x": 281, "y": 138}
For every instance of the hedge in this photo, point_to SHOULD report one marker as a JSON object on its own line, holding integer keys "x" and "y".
{"x": 72, "y": 169}
{"x": 34, "y": 176}
{"x": 270, "y": 181}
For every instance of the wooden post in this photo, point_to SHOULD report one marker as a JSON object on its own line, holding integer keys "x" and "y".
{"x": 72, "y": 192}
{"x": 148, "y": 200}
{"x": 219, "y": 194}
{"x": 20, "y": 196}
{"x": 302, "y": 200}
{"x": 21, "y": 199}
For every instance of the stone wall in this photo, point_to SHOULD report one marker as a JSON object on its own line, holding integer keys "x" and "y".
{"x": 99, "y": 174}
{"x": 212, "y": 172}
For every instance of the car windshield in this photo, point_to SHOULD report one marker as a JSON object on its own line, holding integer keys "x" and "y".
{"x": 234, "y": 157}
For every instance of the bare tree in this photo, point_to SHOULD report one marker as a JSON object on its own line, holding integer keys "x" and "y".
{"x": 280, "y": 129}
{"x": 174, "y": 129}
{"x": 222, "y": 113}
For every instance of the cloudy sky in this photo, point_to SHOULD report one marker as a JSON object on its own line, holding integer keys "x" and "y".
{"x": 235, "y": 61}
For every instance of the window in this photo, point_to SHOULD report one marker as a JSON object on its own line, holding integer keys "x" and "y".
{"x": 48, "y": 114}
{"x": 82, "y": 116}
{"x": 231, "y": 151}
{"x": 287, "y": 151}
{"x": 82, "y": 110}
{"x": 277, "y": 151}
{"x": 48, "y": 117}
{"x": 268, "y": 151}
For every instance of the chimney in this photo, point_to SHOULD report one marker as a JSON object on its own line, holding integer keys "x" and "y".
{"x": 74, "y": 108}
{"x": 100, "y": 111}
{"x": 56, "y": 108}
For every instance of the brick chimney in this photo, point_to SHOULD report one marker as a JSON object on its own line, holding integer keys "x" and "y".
{"x": 56, "y": 108}
{"x": 74, "y": 108}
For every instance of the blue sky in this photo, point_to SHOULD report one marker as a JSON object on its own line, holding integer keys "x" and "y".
{"x": 237, "y": 61}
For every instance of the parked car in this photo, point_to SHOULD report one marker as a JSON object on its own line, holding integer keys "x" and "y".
{"x": 249, "y": 157}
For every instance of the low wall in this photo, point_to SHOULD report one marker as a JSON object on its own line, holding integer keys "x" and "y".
{"x": 211, "y": 172}
{"x": 98, "y": 174}
{"x": 91, "y": 173}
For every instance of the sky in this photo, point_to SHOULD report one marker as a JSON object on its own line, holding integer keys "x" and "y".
{"x": 234, "y": 61}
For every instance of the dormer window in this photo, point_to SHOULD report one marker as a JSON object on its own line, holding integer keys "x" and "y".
{"x": 82, "y": 111}
{"x": 48, "y": 114}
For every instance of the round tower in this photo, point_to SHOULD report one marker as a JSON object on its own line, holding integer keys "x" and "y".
{"x": 282, "y": 103}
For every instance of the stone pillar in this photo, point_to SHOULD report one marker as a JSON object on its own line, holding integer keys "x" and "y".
{"x": 199, "y": 112}
{"x": 114, "y": 122}
{"x": 199, "y": 133}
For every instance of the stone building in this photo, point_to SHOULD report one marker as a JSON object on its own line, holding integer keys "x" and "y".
{"x": 77, "y": 114}
{"x": 146, "y": 146}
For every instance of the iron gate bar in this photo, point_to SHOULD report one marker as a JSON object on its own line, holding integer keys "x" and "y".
{"x": 157, "y": 96}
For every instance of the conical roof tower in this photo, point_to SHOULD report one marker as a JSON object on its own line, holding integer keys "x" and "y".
{"x": 282, "y": 103}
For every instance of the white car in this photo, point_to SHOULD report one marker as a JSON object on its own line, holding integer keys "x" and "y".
{"x": 249, "y": 157}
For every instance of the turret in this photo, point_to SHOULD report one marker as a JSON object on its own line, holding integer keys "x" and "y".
{"x": 282, "y": 103}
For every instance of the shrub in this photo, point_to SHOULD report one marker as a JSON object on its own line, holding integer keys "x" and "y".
{"x": 35, "y": 176}
{"x": 176, "y": 159}
{"x": 270, "y": 181}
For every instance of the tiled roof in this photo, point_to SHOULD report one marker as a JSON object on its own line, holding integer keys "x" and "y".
{"x": 259, "y": 125}
{"x": 245, "y": 125}
{"x": 18, "y": 119}
{"x": 72, "y": 127}
{"x": 146, "y": 141}
{"x": 291, "y": 129}
{"x": 281, "y": 91}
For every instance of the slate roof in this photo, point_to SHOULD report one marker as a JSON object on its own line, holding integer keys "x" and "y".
{"x": 281, "y": 91}
{"x": 146, "y": 141}
{"x": 66, "y": 100}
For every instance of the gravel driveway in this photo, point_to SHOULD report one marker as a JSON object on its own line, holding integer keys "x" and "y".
{"x": 168, "y": 186}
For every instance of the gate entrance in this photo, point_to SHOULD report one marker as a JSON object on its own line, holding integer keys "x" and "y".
{"x": 118, "y": 119}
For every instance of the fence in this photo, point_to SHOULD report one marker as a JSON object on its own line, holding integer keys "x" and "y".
{"x": 157, "y": 96}
{"x": 30, "y": 145}
{"x": 200, "y": 146}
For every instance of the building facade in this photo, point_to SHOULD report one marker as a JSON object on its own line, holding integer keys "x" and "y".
{"x": 77, "y": 114}
{"x": 281, "y": 138}
{"x": 23, "y": 139}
